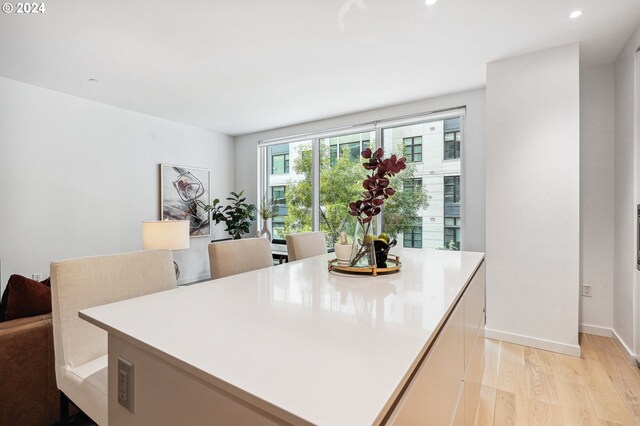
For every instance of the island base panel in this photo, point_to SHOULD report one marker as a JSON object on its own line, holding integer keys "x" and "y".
{"x": 166, "y": 395}
{"x": 446, "y": 387}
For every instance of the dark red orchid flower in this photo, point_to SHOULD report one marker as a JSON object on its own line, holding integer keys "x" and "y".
{"x": 376, "y": 186}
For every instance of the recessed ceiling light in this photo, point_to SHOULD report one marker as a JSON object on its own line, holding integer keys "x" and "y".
{"x": 430, "y": 2}
{"x": 575, "y": 14}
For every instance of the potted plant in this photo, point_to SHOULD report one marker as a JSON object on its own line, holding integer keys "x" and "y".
{"x": 237, "y": 215}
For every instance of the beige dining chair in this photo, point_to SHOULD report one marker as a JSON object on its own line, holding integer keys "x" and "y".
{"x": 305, "y": 244}
{"x": 238, "y": 256}
{"x": 80, "y": 347}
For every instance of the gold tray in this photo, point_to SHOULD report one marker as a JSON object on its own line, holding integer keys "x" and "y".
{"x": 369, "y": 270}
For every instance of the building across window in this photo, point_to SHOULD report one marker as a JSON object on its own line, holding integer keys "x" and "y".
{"x": 452, "y": 212}
{"x": 452, "y": 138}
{"x": 412, "y": 185}
{"x": 279, "y": 159}
{"x": 451, "y": 189}
{"x": 413, "y": 149}
{"x": 413, "y": 238}
{"x": 351, "y": 149}
{"x": 452, "y": 238}
{"x": 278, "y": 199}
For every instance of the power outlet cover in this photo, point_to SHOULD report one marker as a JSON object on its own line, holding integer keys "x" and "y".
{"x": 125, "y": 383}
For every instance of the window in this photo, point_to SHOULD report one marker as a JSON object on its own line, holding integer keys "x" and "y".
{"x": 288, "y": 166}
{"x": 277, "y": 223}
{"x": 340, "y": 181}
{"x": 452, "y": 212}
{"x": 452, "y": 221}
{"x": 278, "y": 198}
{"x": 452, "y": 138}
{"x": 452, "y": 238}
{"x": 413, "y": 238}
{"x": 340, "y": 146}
{"x": 413, "y": 149}
{"x": 451, "y": 189}
{"x": 280, "y": 159}
{"x": 412, "y": 185}
{"x": 321, "y": 173}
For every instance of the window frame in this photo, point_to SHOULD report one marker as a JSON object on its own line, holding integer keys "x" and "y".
{"x": 416, "y": 230}
{"x": 412, "y": 147}
{"x": 377, "y": 126}
{"x": 285, "y": 163}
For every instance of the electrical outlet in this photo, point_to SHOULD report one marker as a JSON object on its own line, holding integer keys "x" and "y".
{"x": 36, "y": 277}
{"x": 125, "y": 383}
{"x": 586, "y": 290}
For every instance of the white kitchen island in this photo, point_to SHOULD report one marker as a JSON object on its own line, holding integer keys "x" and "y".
{"x": 295, "y": 344}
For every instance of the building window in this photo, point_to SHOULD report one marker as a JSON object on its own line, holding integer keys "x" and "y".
{"x": 277, "y": 228}
{"x": 413, "y": 149}
{"x": 452, "y": 238}
{"x": 413, "y": 238}
{"x": 278, "y": 198}
{"x": 451, "y": 189}
{"x": 452, "y": 138}
{"x": 279, "y": 159}
{"x": 412, "y": 185}
{"x": 352, "y": 149}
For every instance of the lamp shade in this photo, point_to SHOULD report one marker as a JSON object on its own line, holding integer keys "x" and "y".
{"x": 167, "y": 234}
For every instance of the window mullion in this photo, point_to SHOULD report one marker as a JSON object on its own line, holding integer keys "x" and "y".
{"x": 379, "y": 144}
{"x": 315, "y": 184}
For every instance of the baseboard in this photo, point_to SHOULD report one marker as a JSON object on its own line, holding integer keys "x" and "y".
{"x": 624, "y": 350}
{"x": 595, "y": 330}
{"x": 193, "y": 280}
{"x": 545, "y": 345}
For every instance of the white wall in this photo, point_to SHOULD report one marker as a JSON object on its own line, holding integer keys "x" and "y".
{"x": 78, "y": 178}
{"x": 533, "y": 199}
{"x": 473, "y": 233}
{"x": 626, "y": 181}
{"x": 596, "y": 197}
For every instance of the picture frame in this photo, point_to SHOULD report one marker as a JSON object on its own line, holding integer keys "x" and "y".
{"x": 184, "y": 192}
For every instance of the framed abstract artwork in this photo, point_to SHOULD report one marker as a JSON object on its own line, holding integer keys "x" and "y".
{"x": 184, "y": 192}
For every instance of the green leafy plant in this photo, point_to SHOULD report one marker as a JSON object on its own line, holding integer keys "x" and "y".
{"x": 237, "y": 215}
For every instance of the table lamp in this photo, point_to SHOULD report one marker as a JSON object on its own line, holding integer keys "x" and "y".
{"x": 167, "y": 234}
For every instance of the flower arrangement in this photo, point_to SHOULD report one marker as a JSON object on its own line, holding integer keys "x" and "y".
{"x": 377, "y": 190}
{"x": 376, "y": 186}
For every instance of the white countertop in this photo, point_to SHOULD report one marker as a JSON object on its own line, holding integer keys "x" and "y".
{"x": 327, "y": 349}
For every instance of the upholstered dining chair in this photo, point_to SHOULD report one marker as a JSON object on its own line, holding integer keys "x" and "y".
{"x": 305, "y": 244}
{"x": 81, "y": 348}
{"x": 238, "y": 256}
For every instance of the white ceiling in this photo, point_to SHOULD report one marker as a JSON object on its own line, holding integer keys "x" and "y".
{"x": 239, "y": 66}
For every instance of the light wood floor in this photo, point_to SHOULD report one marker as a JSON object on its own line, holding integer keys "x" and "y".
{"x": 525, "y": 386}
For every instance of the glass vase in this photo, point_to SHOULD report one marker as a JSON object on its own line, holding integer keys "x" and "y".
{"x": 362, "y": 250}
{"x": 264, "y": 232}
